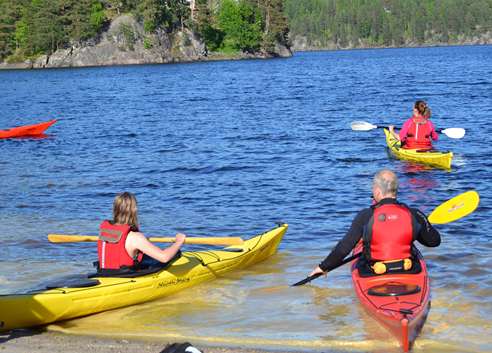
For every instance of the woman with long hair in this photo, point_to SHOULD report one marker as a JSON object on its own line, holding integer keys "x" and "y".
{"x": 122, "y": 246}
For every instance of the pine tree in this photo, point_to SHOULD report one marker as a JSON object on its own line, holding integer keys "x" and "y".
{"x": 276, "y": 29}
{"x": 10, "y": 13}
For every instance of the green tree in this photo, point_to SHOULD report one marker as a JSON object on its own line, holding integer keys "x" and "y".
{"x": 242, "y": 24}
{"x": 388, "y": 22}
{"x": 121, "y": 6}
{"x": 40, "y": 30}
{"x": 165, "y": 14}
{"x": 205, "y": 25}
{"x": 276, "y": 27}
{"x": 180, "y": 13}
{"x": 154, "y": 14}
{"x": 85, "y": 19}
{"x": 10, "y": 13}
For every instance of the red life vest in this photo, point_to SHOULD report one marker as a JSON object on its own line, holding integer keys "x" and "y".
{"x": 111, "y": 247}
{"x": 419, "y": 135}
{"x": 389, "y": 233}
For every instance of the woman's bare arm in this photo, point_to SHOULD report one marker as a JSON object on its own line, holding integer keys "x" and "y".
{"x": 136, "y": 241}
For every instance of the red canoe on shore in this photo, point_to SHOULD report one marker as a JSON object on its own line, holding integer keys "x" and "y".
{"x": 26, "y": 130}
{"x": 399, "y": 301}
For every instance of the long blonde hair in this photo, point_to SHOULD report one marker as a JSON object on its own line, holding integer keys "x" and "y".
{"x": 125, "y": 210}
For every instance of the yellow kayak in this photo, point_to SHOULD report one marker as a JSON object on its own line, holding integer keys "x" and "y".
{"x": 432, "y": 158}
{"x": 96, "y": 294}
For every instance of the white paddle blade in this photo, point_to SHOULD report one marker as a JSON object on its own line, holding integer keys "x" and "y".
{"x": 362, "y": 126}
{"x": 454, "y": 132}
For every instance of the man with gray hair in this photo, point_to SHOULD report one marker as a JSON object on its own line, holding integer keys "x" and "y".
{"x": 387, "y": 228}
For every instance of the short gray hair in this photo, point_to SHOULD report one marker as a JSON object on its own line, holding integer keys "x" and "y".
{"x": 386, "y": 181}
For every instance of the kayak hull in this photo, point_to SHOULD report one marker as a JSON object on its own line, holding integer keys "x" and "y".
{"x": 433, "y": 158}
{"x": 51, "y": 305}
{"x": 402, "y": 315}
{"x": 27, "y": 130}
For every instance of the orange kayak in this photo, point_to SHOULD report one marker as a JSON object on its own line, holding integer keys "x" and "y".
{"x": 26, "y": 130}
{"x": 399, "y": 301}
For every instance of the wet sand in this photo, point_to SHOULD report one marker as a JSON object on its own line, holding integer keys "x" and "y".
{"x": 26, "y": 341}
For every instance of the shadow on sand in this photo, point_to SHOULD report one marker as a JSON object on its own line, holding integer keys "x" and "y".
{"x": 12, "y": 335}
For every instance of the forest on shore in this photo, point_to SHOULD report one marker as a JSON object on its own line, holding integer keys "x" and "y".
{"x": 374, "y": 23}
{"x": 30, "y": 28}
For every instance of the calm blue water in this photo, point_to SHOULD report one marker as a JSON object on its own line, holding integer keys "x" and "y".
{"x": 229, "y": 148}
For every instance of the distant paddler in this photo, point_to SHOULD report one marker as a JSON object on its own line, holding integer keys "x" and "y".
{"x": 417, "y": 132}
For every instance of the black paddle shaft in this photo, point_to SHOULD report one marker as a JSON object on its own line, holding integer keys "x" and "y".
{"x": 306, "y": 280}
{"x": 310, "y": 278}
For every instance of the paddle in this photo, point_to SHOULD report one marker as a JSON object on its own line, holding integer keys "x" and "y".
{"x": 64, "y": 238}
{"x": 455, "y": 208}
{"x": 310, "y": 278}
{"x": 452, "y": 132}
{"x": 447, "y": 212}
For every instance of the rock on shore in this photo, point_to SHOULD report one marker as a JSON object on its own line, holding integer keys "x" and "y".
{"x": 302, "y": 43}
{"x": 125, "y": 42}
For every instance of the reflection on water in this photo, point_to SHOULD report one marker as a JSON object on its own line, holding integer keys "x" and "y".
{"x": 32, "y": 137}
{"x": 419, "y": 187}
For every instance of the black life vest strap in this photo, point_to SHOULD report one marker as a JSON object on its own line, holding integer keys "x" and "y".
{"x": 367, "y": 235}
{"x": 135, "y": 259}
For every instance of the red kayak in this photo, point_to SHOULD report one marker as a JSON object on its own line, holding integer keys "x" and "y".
{"x": 26, "y": 130}
{"x": 399, "y": 301}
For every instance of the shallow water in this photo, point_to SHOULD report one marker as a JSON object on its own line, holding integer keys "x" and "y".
{"x": 229, "y": 148}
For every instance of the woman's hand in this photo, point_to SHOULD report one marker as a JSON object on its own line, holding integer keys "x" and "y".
{"x": 180, "y": 238}
{"x": 392, "y": 132}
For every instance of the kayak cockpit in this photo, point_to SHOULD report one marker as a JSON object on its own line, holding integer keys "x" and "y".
{"x": 393, "y": 289}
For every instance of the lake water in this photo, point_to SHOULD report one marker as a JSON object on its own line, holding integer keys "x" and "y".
{"x": 229, "y": 148}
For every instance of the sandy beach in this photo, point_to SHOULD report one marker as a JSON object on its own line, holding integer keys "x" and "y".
{"x": 25, "y": 341}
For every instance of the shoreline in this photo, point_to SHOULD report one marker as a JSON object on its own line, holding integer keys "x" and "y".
{"x": 43, "y": 341}
{"x": 433, "y": 45}
{"x": 215, "y": 57}
{"x": 211, "y": 58}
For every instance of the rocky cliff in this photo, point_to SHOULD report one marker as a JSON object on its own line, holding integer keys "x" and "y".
{"x": 125, "y": 42}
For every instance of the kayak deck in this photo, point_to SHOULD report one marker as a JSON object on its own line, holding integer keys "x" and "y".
{"x": 27, "y": 130}
{"x": 50, "y": 305}
{"x": 399, "y": 301}
{"x": 431, "y": 158}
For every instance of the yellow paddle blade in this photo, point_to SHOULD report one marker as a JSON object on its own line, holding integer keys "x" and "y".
{"x": 455, "y": 208}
